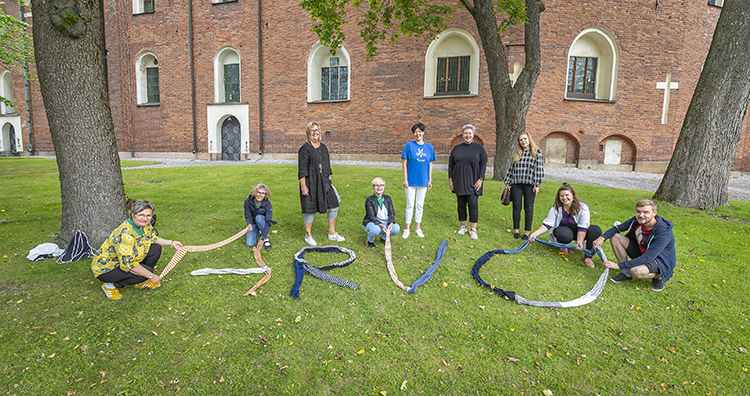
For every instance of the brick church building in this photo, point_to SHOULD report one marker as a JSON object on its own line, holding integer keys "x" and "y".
{"x": 235, "y": 79}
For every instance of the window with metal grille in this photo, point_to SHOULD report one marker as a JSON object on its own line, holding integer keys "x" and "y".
{"x": 334, "y": 81}
{"x": 453, "y": 75}
{"x": 581, "y": 77}
{"x": 232, "y": 83}
{"x": 148, "y": 6}
{"x": 152, "y": 84}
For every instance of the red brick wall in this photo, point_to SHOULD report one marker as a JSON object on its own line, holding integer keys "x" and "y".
{"x": 387, "y": 91}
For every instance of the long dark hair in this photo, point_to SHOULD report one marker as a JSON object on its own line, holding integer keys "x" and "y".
{"x": 575, "y": 206}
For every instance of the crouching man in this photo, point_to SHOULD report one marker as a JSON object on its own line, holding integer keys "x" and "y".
{"x": 649, "y": 243}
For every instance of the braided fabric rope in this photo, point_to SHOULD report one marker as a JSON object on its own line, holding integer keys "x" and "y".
{"x": 181, "y": 251}
{"x": 589, "y": 297}
{"x": 301, "y": 266}
{"x": 423, "y": 279}
{"x": 262, "y": 268}
{"x": 259, "y": 261}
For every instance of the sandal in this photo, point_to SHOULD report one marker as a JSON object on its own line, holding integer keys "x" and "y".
{"x": 267, "y": 244}
{"x": 564, "y": 251}
{"x": 587, "y": 261}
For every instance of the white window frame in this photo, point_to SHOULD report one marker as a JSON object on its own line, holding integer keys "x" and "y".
{"x": 225, "y": 56}
{"x": 144, "y": 60}
{"x": 451, "y": 43}
{"x": 319, "y": 57}
{"x": 597, "y": 43}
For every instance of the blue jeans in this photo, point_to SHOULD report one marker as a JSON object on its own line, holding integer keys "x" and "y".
{"x": 251, "y": 238}
{"x": 374, "y": 230}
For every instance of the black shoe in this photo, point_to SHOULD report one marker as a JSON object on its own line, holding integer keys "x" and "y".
{"x": 267, "y": 244}
{"x": 621, "y": 277}
{"x": 657, "y": 284}
{"x": 525, "y": 237}
{"x": 371, "y": 244}
{"x": 516, "y": 235}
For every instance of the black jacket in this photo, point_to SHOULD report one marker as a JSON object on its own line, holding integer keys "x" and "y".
{"x": 371, "y": 210}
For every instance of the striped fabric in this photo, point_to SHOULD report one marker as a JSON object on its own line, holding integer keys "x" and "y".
{"x": 301, "y": 266}
{"x": 587, "y": 298}
{"x": 181, "y": 251}
{"x": 423, "y": 279}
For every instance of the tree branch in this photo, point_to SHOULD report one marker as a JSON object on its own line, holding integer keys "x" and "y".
{"x": 468, "y": 7}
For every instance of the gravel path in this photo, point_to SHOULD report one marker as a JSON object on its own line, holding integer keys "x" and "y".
{"x": 739, "y": 184}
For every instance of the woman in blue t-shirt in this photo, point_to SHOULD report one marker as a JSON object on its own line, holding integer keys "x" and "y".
{"x": 417, "y": 159}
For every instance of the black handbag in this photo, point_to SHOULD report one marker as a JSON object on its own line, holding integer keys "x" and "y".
{"x": 505, "y": 199}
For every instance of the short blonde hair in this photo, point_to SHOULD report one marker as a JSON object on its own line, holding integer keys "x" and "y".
{"x": 378, "y": 180}
{"x": 646, "y": 202}
{"x": 309, "y": 127}
{"x": 260, "y": 186}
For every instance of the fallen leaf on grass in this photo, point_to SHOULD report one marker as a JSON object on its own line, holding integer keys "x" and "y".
{"x": 361, "y": 351}
{"x": 298, "y": 319}
{"x": 283, "y": 369}
{"x": 221, "y": 380}
{"x": 547, "y": 392}
{"x": 403, "y": 385}
{"x": 384, "y": 393}
{"x": 512, "y": 359}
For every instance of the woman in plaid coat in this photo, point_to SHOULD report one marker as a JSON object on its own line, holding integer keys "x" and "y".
{"x": 523, "y": 179}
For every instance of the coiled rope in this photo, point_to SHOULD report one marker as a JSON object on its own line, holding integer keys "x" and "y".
{"x": 301, "y": 266}
{"x": 590, "y": 296}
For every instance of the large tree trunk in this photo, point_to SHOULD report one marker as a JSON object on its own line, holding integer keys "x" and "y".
{"x": 698, "y": 173}
{"x": 511, "y": 103}
{"x": 68, "y": 39}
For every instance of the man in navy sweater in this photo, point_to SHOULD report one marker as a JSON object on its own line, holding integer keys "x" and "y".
{"x": 649, "y": 243}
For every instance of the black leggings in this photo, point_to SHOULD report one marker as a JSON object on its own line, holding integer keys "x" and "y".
{"x": 566, "y": 234}
{"x": 473, "y": 202}
{"x": 525, "y": 192}
{"x": 121, "y": 278}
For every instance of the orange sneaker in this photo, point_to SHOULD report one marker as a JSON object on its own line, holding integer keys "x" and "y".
{"x": 147, "y": 285}
{"x": 112, "y": 293}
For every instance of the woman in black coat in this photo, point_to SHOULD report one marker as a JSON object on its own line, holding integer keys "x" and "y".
{"x": 316, "y": 192}
{"x": 466, "y": 167}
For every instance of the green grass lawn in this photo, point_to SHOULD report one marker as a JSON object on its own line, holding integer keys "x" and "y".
{"x": 198, "y": 335}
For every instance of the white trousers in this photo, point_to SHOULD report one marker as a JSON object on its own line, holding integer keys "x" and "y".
{"x": 415, "y": 195}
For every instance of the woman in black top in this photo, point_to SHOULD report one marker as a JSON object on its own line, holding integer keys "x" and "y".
{"x": 523, "y": 179}
{"x": 466, "y": 167}
{"x": 316, "y": 192}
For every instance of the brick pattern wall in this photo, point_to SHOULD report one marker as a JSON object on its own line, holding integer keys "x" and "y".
{"x": 387, "y": 91}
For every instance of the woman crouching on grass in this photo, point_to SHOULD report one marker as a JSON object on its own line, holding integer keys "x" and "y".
{"x": 130, "y": 253}
{"x": 259, "y": 216}
{"x": 569, "y": 219}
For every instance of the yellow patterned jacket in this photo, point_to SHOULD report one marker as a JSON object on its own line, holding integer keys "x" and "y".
{"x": 123, "y": 248}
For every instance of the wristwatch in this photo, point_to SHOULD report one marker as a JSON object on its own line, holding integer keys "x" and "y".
{"x": 151, "y": 276}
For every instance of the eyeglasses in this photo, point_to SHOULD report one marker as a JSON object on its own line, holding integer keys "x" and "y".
{"x": 379, "y": 185}
{"x": 260, "y": 193}
{"x": 143, "y": 216}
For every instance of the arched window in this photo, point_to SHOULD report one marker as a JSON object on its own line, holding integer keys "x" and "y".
{"x": 6, "y": 91}
{"x": 147, "y": 78}
{"x": 143, "y": 6}
{"x": 592, "y": 66}
{"x": 452, "y": 65}
{"x": 328, "y": 76}
{"x": 227, "y": 76}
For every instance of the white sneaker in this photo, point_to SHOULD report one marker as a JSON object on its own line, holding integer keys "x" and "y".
{"x": 473, "y": 234}
{"x": 462, "y": 230}
{"x": 311, "y": 241}
{"x": 419, "y": 233}
{"x": 336, "y": 237}
{"x": 406, "y": 234}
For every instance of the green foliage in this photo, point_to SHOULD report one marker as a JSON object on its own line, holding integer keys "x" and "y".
{"x": 199, "y": 335}
{"x": 17, "y": 48}
{"x": 390, "y": 20}
{"x": 514, "y": 12}
{"x": 383, "y": 20}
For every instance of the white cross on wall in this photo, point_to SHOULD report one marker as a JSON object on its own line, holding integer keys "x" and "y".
{"x": 664, "y": 85}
